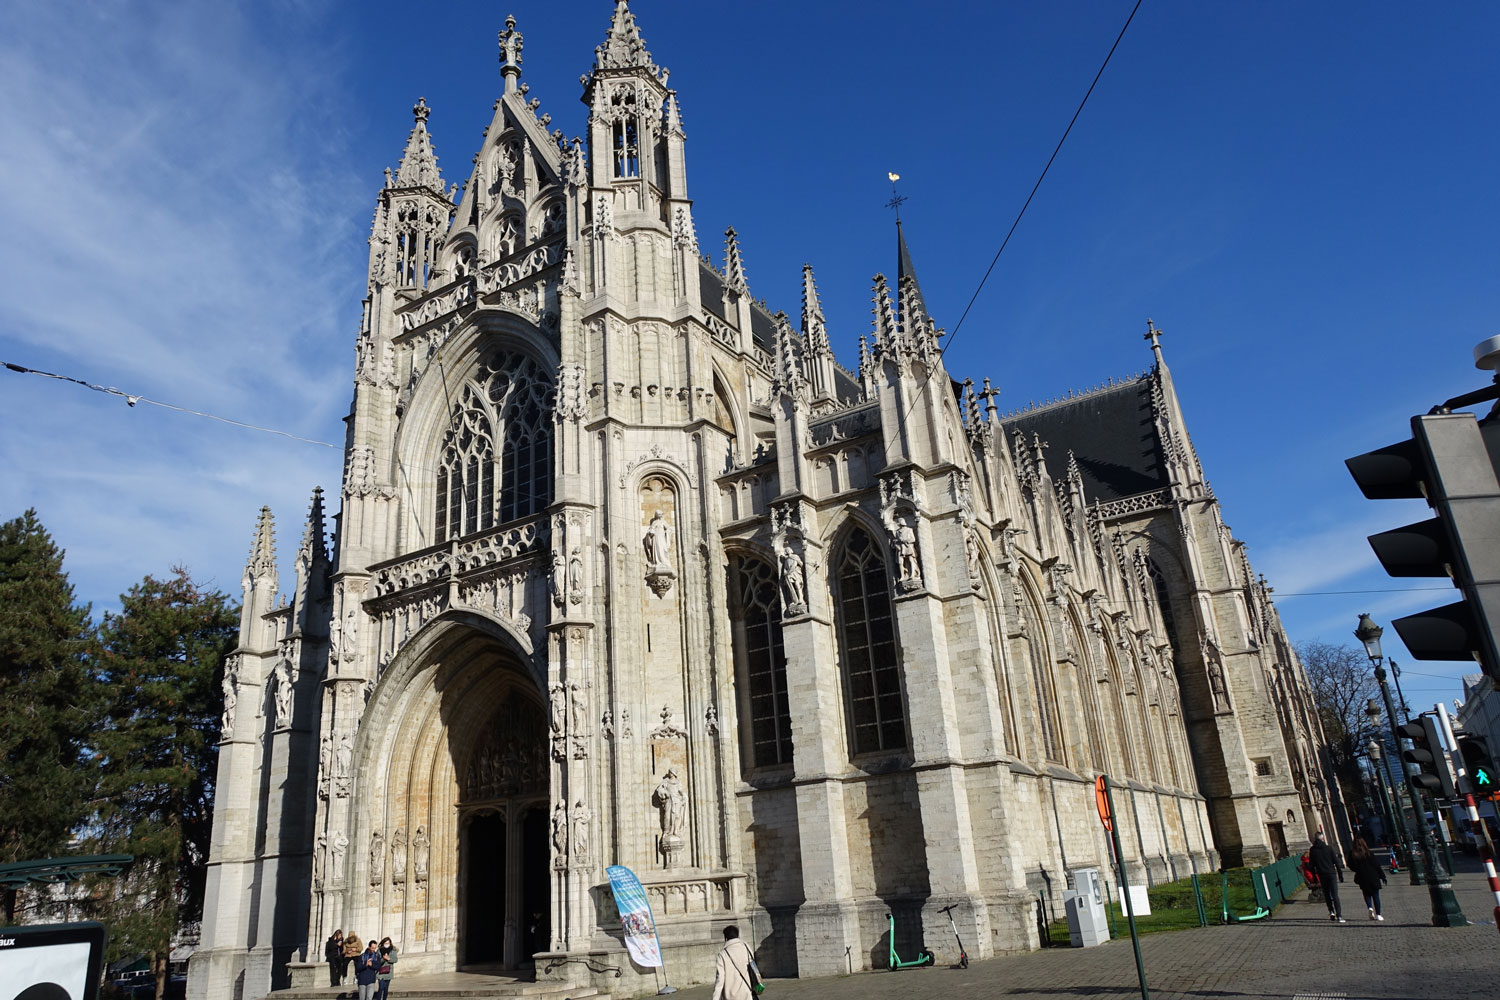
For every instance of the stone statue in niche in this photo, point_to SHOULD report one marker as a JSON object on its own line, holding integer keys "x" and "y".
{"x": 333, "y": 640}
{"x": 575, "y": 575}
{"x": 281, "y": 679}
{"x": 558, "y": 709}
{"x": 325, "y": 762}
{"x": 344, "y": 763}
{"x": 398, "y": 855}
{"x": 580, "y": 832}
{"x": 904, "y": 541}
{"x": 793, "y": 582}
{"x": 320, "y": 851}
{"x": 337, "y": 845}
{"x": 971, "y": 556}
{"x": 580, "y": 704}
{"x": 1213, "y": 660}
{"x": 377, "y": 859}
{"x": 670, "y": 799}
{"x": 351, "y": 635}
{"x": 421, "y": 850}
{"x": 231, "y": 699}
{"x": 560, "y": 833}
{"x": 657, "y": 544}
{"x": 559, "y": 570}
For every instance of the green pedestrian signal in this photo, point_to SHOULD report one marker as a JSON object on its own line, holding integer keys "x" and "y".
{"x": 1477, "y": 761}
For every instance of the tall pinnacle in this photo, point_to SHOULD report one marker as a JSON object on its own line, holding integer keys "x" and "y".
{"x": 510, "y": 55}
{"x": 734, "y": 268}
{"x": 911, "y": 302}
{"x": 418, "y": 162}
{"x": 623, "y": 47}
{"x": 313, "y": 546}
{"x": 262, "y": 562}
{"x": 814, "y": 328}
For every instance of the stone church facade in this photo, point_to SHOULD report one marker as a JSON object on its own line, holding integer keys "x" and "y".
{"x": 629, "y": 570}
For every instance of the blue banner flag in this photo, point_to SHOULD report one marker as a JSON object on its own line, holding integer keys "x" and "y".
{"x": 635, "y": 916}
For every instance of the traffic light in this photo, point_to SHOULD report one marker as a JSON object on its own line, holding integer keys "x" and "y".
{"x": 1432, "y": 771}
{"x": 1478, "y": 764}
{"x": 1450, "y": 462}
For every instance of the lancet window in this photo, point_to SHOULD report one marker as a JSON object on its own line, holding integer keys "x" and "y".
{"x": 867, "y": 637}
{"x": 507, "y": 403}
{"x": 1049, "y": 725}
{"x": 627, "y": 148}
{"x": 756, "y": 602}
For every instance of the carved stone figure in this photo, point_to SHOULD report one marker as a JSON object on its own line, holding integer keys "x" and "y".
{"x": 231, "y": 699}
{"x": 282, "y": 692}
{"x": 575, "y": 575}
{"x": 971, "y": 556}
{"x": 580, "y": 709}
{"x": 658, "y": 545}
{"x": 377, "y": 859}
{"x": 558, "y": 709}
{"x": 1216, "y": 683}
{"x": 580, "y": 831}
{"x": 398, "y": 855}
{"x": 558, "y": 583}
{"x": 793, "y": 584}
{"x": 344, "y": 756}
{"x": 336, "y": 848}
{"x": 325, "y": 761}
{"x": 421, "y": 849}
{"x": 351, "y": 635}
{"x": 671, "y": 800}
{"x": 560, "y": 831}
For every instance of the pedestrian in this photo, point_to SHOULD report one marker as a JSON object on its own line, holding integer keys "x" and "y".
{"x": 1368, "y": 875}
{"x": 352, "y": 951}
{"x": 735, "y": 974}
{"x": 333, "y": 954}
{"x": 1330, "y": 873}
{"x": 367, "y": 971}
{"x": 388, "y": 956}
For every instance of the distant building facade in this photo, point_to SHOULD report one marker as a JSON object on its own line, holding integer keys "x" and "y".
{"x": 629, "y": 571}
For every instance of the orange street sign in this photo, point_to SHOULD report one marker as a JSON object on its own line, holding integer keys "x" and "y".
{"x": 1101, "y": 801}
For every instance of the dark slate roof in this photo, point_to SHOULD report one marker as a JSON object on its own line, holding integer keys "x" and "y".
{"x": 762, "y": 327}
{"x": 711, "y": 290}
{"x": 1109, "y": 431}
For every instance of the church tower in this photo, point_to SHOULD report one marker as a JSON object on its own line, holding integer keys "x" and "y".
{"x": 629, "y": 570}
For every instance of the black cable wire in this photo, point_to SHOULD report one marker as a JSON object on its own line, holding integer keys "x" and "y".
{"x": 1035, "y": 187}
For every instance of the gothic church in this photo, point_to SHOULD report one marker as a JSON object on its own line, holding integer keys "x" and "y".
{"x": 630, "y": 570}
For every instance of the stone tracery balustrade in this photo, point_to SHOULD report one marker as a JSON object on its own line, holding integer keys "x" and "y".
{"x": 429, "y": 567}
{"x": 495, "y": 277}
{"x": 1138, "y": 504}
{"x": 679, "y": 897}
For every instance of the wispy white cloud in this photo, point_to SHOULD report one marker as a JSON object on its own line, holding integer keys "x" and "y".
{"x": 178, "y": 222}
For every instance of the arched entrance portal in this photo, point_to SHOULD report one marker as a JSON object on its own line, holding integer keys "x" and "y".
{"x": 502, "y": 811}
{"x": 452, "y": 817}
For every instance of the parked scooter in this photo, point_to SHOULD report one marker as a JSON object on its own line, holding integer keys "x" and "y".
{"x": 923, "y": 957}
{"x": 963, "y": 956}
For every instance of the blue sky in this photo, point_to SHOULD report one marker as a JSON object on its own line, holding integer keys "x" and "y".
{"x": 1301, "y": 195}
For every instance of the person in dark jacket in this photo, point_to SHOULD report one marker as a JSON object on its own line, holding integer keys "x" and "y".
{"x": 1368, "y": 875}
{"x": 1330, "y": 873}
{"x": 367, "y": 971}
{"x": 333, "y": 954}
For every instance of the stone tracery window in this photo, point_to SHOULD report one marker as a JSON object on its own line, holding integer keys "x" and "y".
{"x": 756, "y": 599}
{"x": 867, "y": 647}
{"x": 513, "y": 394}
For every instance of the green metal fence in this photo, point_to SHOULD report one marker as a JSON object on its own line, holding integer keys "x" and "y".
{"x": 1275, "y": 883}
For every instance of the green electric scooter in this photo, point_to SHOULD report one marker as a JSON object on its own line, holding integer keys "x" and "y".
{"x": 923, "y": 957}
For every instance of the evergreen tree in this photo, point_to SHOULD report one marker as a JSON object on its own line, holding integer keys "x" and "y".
{"x": 44, "y": 717}
{"x": 160, "y": 663}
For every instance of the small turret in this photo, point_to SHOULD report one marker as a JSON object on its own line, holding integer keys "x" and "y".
{"x": 260, "y": 582}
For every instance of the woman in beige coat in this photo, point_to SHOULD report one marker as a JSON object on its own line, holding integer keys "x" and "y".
{"x": 734, "y": 969}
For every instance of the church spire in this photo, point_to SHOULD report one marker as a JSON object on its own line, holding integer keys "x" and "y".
{"x": 904, "y": 270}
{"x": 418, "y": 162}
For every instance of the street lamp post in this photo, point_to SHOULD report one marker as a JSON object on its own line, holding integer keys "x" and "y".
{"x": 1445, "y": 910}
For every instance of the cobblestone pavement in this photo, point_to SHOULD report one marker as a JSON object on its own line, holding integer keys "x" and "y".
{"x": 1296, "y": 953}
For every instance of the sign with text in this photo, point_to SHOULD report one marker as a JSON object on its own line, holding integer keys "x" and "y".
{"x": 51, "y": 961}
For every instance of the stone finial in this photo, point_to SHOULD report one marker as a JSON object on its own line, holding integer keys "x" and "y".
{"x": 672, "y": 115}
{"x": 418, "y": 161}
{"x": 510, "y": 54}
{"x": 734, "y": 267}
{"x": 313, "y": 543}
{"x": 886, "y": 335}
{"x": 623, "y": 46}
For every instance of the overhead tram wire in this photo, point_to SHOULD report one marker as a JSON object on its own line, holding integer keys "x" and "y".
{"x": 1037, "y": 186}
{"x": 133, "y": 398}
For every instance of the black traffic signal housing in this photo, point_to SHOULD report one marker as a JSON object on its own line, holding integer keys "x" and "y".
{"x": 1478, "y": 764}
{"x": 1432, "y": 772}
{"x": 1450, "y": 462}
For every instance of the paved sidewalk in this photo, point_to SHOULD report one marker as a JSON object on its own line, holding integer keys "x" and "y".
{"x": 1297, "y": 953}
